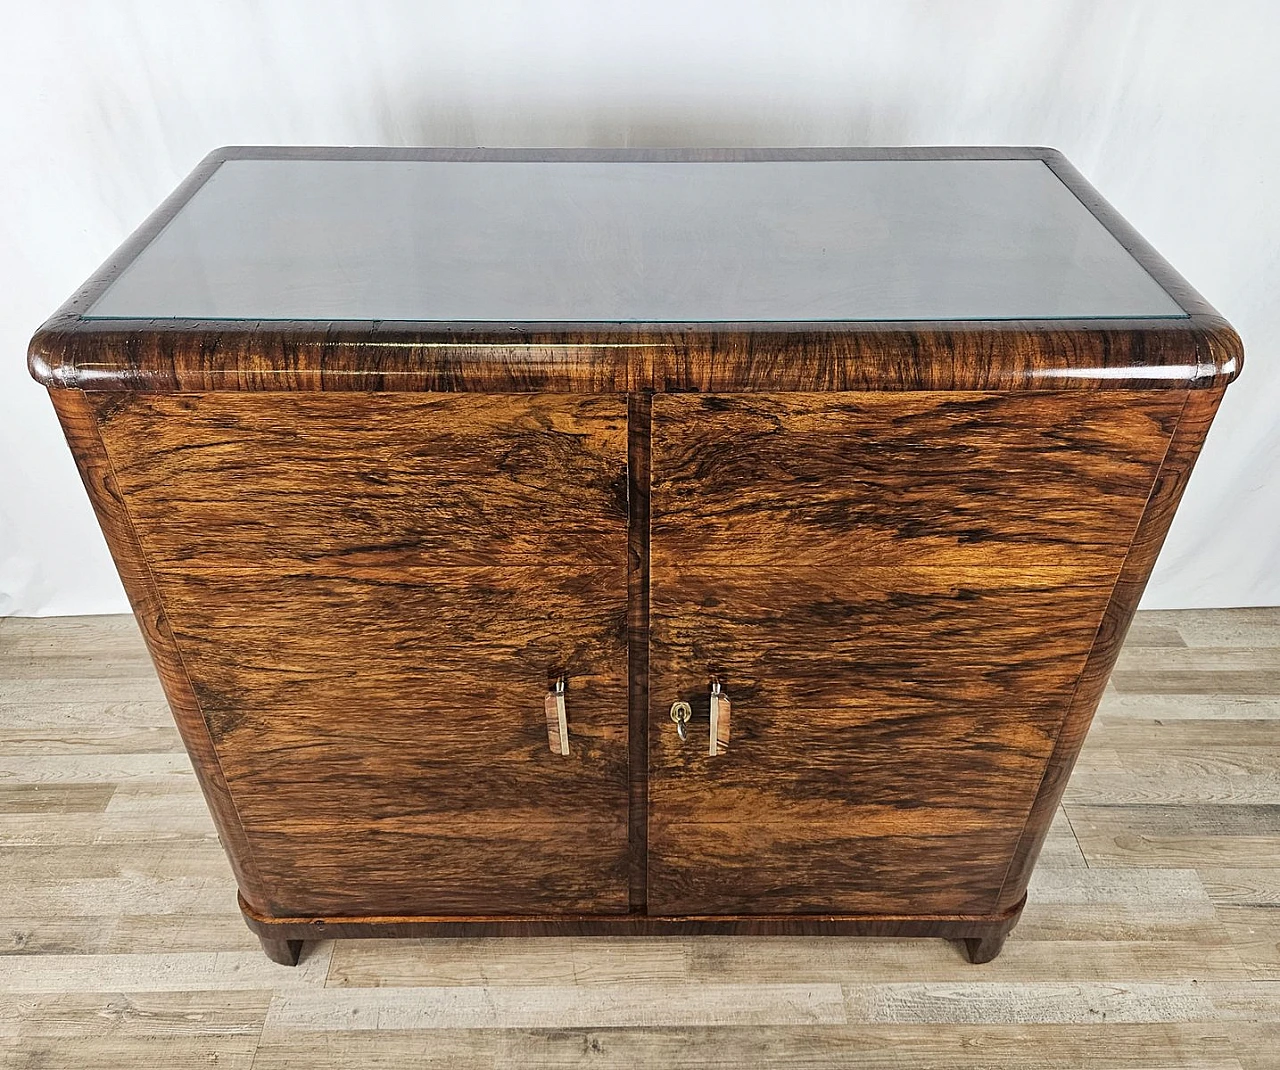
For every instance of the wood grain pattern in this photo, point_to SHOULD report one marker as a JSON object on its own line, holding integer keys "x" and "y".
{"x": 166, "y": 356}
{"x": 376, "y": 696}
{"x": 1140, "y": 558}
{"x": 66, "y": 799}
{"x": 79, "y": 423}
{"x": 903, "y": 633}
{"x": 482, "y": 643}
{"x": 372, "y": 481}
{"x": 851, "y": 860}
{"x": 901, "y": 592}
{"x": 948, "y": 479}
{"x": 989, "y": 1046}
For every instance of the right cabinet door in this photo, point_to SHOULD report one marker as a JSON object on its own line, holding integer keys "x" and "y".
{"x": 898, "y": 593}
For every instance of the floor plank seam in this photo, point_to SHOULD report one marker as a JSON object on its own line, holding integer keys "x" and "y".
{"x": 1152, "y": 936}
{"x": 1066, "y": 813}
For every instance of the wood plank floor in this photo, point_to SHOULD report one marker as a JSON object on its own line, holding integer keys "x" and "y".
{"x": 1151, "y": 940}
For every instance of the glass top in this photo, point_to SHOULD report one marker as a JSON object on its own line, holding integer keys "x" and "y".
{"x": 633, "y": 242}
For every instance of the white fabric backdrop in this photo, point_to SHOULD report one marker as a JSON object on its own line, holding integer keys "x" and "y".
{"x": 1168, "y": 106}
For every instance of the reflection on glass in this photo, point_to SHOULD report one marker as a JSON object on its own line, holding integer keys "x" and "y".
{"x": 634, "y": 242}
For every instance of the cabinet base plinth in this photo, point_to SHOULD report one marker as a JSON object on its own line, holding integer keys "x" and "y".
{"x": 983, "y": 934}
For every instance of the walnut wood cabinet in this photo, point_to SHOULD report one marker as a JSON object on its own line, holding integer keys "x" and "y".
{"x": 457, "y": 493}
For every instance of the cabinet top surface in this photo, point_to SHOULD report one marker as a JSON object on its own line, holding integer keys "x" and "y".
{"x": 443, "y": 244}
{"x": 628, "y": 242}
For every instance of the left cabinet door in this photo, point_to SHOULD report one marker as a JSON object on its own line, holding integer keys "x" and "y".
{"x": 372, "y": 595}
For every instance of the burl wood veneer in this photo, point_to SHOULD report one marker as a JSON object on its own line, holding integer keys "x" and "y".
{"x": 422, "y": 468}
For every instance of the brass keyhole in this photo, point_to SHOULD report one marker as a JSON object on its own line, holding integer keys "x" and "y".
{"x": 680, "y": 713}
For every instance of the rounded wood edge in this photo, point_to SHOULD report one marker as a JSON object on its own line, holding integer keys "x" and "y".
{"x": 950, "y": 927}
{"x": 142, "y": 357}
{"x": 1221, "y": 348}
{"x": 71, "y": 352}
{"x": 50, "y": 354}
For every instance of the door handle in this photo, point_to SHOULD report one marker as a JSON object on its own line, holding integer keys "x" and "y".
{"x": 557, "y": 719}
{"x": 721, "y": 710}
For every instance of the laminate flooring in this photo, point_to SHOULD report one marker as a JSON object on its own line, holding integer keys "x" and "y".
{"x": 1151, "y": 938}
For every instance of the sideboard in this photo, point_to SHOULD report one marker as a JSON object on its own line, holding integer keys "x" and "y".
{"x": 634, "y": 542}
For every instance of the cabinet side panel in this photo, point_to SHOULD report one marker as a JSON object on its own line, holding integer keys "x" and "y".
{"x": 1184, "y": 448}
{"x": 80, "y": 424}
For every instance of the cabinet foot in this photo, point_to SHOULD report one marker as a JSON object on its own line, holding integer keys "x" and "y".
{"x": 284, "y": 952}
{"x": 983, "y": 949}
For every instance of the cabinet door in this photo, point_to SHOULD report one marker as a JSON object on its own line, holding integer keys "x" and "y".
{"x": 897, "y": 592}
{"x": 372, "y": 594}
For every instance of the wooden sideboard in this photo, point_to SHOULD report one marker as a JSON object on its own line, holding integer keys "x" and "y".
{"x": 445, "y": 602}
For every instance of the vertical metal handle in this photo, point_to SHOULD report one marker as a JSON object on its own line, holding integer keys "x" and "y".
{"x": 557, "y": 719}
{"x": 721, "y": 711}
